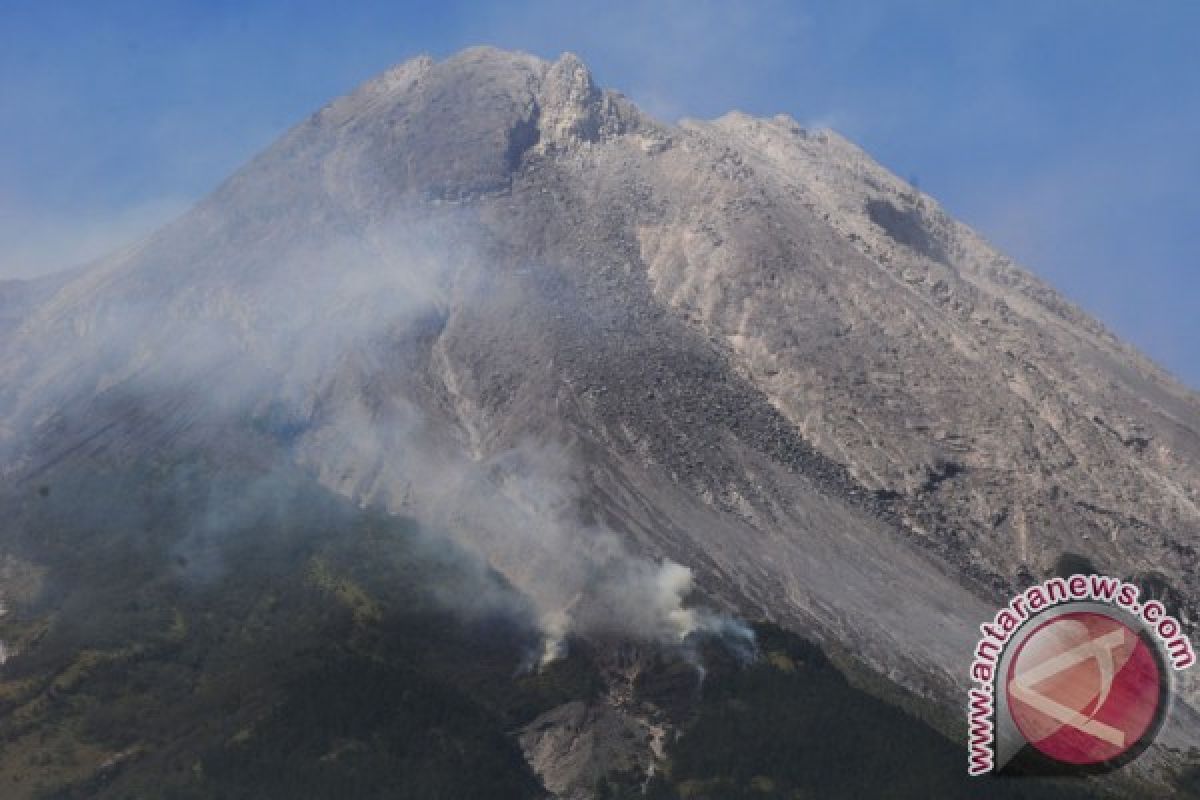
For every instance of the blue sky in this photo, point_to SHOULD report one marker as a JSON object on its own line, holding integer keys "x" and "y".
{"x": 1066, "y": 132}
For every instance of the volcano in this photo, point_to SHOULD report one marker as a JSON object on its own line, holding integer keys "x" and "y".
{"x": 481, "y": 361}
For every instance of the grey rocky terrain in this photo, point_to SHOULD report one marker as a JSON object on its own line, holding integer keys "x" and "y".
{"x": 492, "y": 295}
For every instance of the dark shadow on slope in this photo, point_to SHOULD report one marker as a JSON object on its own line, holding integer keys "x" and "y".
{"x": 234, "y": 634}
{"x": 908, "y": 227}
{"x": 791, "y": 726}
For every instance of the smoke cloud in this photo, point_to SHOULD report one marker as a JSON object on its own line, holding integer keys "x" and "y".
{"x": 307, "y": 345}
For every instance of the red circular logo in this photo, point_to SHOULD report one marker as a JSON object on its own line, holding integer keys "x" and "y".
{"x": 1084, "y": 688}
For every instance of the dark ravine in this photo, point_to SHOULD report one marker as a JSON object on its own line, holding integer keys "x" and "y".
{"x": 489, "y": 297}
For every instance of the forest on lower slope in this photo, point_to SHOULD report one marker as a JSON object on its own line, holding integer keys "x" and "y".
{"x": 185, "y": 632}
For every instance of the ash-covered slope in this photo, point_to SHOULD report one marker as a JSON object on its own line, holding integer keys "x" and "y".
{"x": 493, "y": 296}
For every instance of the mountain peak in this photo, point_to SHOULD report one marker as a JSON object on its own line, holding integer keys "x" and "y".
{"x": 730, "y": 345}
{"x": 451, "y": 130}
{"x": 572, "y": 109}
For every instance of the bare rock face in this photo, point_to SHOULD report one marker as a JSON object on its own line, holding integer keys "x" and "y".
{"x": 1010, "y": 427}
{"x": 763, "y": 357}
{"x": 574, "y": 746}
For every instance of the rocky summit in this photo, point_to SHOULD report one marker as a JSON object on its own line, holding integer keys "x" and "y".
{"x": 648, "y": 382}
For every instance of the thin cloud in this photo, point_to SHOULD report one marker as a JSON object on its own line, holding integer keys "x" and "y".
{"x": 34, "y": 244}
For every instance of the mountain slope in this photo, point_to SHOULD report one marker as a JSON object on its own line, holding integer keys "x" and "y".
{"x": 489, "y": 295}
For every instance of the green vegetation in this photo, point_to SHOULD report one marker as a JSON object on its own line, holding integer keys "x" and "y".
{"x": 254, "y": 636}
{"x": 188, "y": 634}
{"x": 791, "y": 726}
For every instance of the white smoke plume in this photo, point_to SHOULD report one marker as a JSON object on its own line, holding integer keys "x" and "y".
{"x": 296, "y": 336}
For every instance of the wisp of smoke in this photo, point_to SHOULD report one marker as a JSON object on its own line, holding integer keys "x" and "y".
{"x": 300, "y": 335}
